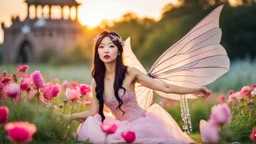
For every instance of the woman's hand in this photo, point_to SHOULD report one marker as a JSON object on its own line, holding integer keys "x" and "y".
{"x": 202, "y": 92}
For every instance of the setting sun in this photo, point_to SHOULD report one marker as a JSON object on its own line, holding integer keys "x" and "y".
{"x": 235, "y": 2}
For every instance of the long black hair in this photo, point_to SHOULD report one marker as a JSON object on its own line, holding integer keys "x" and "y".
{"x": 98, "y": 71}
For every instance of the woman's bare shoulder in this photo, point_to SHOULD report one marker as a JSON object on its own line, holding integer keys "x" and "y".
{"x": 132, "y": 70}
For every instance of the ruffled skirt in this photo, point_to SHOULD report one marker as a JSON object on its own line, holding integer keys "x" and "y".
{"x": 157, "y": 126}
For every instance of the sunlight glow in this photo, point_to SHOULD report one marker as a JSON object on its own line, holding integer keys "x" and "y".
{"x": 235, "y": 3}
{"x": 175, "y": 2}
{"x": 90, "y": 22}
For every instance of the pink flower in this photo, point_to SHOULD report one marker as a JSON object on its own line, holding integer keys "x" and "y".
{"x": 56, "y": 80}
{"x": 238, "y": 96}
{"x": 253, "y": 134}
{"x": 31, "y": 94}
{"x": 246, "y": 90}
{"x": 37, "y": 79}
{"x": 73, "y": 84}
{"x": 42, "y": 99}
{"x": 87, "y": 101}
{"x": 222, "y": 99}
{"x": 253, "y": 93}
{"x": 12, "y": 90}
{"x": 22, "y": 68}
{"x": 1, "y": 86}
{"x": 4, "y": 112}
{"x": 72, "y": 94}
{"x": 231, "y": 98}
{"x": 221, "y": 114}
{"x": 25, "y": 83}
{"x": 109, "y": 128}
{"x": 20, "y": 132}
{"x": 84, "y": 89}
{"x": 64, "y": 85}
{"x": 253, "y": 85}
{"x": 209, "y": 132}
{"x": 6, "y": 80}
{"x": 129, "y": 136}
{"x": 230, "y": 92}
{"x": 50, "y": 91}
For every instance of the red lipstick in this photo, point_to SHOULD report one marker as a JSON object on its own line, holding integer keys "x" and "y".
{"x": 106, "y": 56}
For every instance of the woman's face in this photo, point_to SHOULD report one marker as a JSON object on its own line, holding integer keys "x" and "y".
{"x": 107, "y": 50}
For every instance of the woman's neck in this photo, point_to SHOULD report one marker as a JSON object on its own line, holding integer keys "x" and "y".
{"x": 110, "y": 69}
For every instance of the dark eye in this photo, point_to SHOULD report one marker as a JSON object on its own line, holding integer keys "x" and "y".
{"x": 101, "y": 47}
{"x": 111, "y": 46}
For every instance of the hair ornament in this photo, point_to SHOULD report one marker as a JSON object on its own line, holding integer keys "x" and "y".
{"x": 113, "y": 37}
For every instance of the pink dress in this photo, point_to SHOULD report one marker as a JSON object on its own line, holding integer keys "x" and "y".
{"x": 153, "y": 125}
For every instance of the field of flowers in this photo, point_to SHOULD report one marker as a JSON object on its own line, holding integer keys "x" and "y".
{"x": 33, "y": 98}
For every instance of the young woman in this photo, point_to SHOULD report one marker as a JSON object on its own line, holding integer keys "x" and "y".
{"x": 113, "y": 85}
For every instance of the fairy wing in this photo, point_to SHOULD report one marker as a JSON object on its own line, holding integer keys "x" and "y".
{"x": 195, "y": 60}
{"x": 144, "y": 95}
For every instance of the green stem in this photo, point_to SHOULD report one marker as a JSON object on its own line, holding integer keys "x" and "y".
{"x": 64, "y": 108}
{"x": 73, "y": 105}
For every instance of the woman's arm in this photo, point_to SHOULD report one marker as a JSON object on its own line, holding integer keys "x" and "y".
{"x": 94, "y": 109}
{"x": 167, "y": 88}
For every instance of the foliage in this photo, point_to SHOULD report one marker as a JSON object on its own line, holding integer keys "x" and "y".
{"x": 199, "y": 109}
{"x": 44, "y": 112}
{"x": 244, "y": 114}
{"x": 47, "y": 54}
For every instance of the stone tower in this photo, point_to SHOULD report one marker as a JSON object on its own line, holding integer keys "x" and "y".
{"x": 25, "y": 40}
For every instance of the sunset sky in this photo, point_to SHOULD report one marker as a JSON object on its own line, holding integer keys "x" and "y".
{"x": 91, "y": 12}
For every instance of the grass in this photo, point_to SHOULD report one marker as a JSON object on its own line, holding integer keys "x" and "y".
{"x": 196, "y": 137}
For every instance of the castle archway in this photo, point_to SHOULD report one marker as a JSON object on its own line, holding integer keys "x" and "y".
{"x": 25, "y": 54}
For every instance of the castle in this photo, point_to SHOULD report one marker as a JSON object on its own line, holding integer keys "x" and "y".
{"x": 25, "y": 40}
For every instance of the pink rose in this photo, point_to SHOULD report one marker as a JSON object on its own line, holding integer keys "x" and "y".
{"x": 1, "y": 86}
{"x": 253, "y": 134}
{"x": 73, "y": 84}
{"x": 109, "y": 128}
{"x": 64, "y": 85}
{"x": 222, "y": 99}
{"x": 129, "y": 136}
{"x": 253, "y": 85}
{"x": 50, "y": 91}
{"x": 4, "y": 112}
{"x": 209, "y": 132}
{"x": 6, "y": 80}
{"x": 72, "y": 94}
{"x": 230, "y": 92}
{"x": 12, "y": 90}
{"x": 84, "y": 89}
{"x": 31, "y": 94}
{"x": 37, "y": 79}
{"x": 25, "y": 83}
{"x": 246, "y": 91}
{"x": 221, "y": 114}
{"x": 231, "y": 98}
{"x": 253, "y": 93}
{"x": 238, "y": 96}
{"x": 20, "y": 132}
{"x": 22, "y": 68}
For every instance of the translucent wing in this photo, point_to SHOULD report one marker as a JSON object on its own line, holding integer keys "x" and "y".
{"x": 143, "y": 94}
{"x": 195, "y": 60}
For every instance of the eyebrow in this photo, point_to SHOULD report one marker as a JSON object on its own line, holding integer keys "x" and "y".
{"x": 107, "y": 44}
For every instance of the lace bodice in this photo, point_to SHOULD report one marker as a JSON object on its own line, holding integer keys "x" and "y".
{"x": 130, "y": 106}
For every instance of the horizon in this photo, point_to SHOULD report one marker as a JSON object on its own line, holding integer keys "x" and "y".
{"x": 90, "y": 11}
